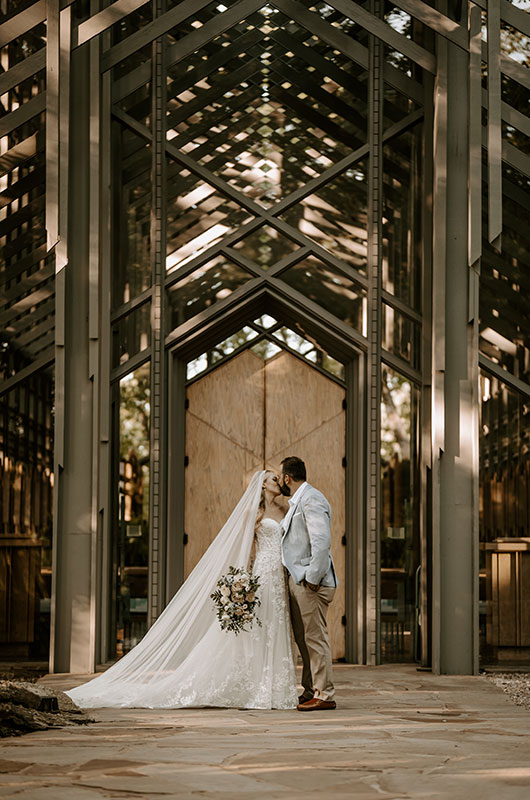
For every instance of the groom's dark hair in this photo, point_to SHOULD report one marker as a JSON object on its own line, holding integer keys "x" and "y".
{"x": 295, "y": 468}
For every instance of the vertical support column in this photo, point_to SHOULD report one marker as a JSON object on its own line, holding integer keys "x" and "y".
{"x": 52, "y": 235}
{"x": 73, "y": 608}
{"x": 374, "y": 353}
{"x": 455, "y": 601}
{"x": 474, "y": 256}
{"x": 94, "y": 139}
{"x": 475, "y": 135}
{"x": 426, "y": 390}
{"x": 158, "y": 384}
{"x": 494, "y": 125}
{"x": 52, "y": 122}
{"x": 438, "y": 327}
{"x": 105, "y": 486}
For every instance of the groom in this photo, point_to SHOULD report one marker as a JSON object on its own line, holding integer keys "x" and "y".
{"x": 306, "y": 555}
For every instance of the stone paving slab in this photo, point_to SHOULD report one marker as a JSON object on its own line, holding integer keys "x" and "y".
{"x": 397, "y": 733}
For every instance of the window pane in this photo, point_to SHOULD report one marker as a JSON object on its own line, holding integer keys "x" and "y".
{"x": 25, "y": 44}
{"x": 198, "y": 216}
{"x": 294, "y": 341}
{"x": 139, "y": 104}
{"x": 399, "y": 517}
{"x": 330, "y": 289}
{"x": 402, "y": 235}
{"x": 203, "y": 288}
{"x": 266, "y": 349}
{"x": 280, "y": 339}
{"x": 26, "y": 480}
{"x": 505, "y": 283}
{"x": 131, "y": 541}
{"x": 335, "y": 217}
{"x": 231, "y": 344}
{"x": 131, "y": 335}
{"x": 196, "y": 366}
{"x": 310, "y": 350}
{"x": 504, "y": 514}
{"x": 266, "y": 321}
{"x": 132, "y": 228}
{"x": 266, "y": 246}
{"x": 401, "y": 335}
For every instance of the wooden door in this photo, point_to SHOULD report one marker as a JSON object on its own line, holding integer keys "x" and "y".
{"x": 249, "y": 414}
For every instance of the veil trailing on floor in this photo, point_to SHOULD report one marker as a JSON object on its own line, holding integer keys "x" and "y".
{"x": 175, "y": 646}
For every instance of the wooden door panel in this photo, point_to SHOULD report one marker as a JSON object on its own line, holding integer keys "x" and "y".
{"x": 224, "y": 445}
{"x": 299, "y": 400}
{"x": 230, "y": 400}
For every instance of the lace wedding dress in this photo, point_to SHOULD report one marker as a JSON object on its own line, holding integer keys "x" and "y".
{"x": 186, "y": 660}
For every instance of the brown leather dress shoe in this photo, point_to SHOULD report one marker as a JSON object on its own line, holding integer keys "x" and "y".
{"x": 304, "y": 699}
{"x": 316, "y": 704}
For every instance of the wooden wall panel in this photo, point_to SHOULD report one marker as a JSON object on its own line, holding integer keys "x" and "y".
{"x": 248, "y": 414}
{"x": 230, "y": 400}
{"x": 305, "y": 417}
{"x": 506, "y": 599}
{"x": 224, "y": 445}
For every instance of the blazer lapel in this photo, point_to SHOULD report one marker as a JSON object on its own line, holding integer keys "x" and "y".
{"x": 291, "y": 512}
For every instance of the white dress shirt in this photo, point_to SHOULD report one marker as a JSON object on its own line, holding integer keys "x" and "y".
{"x": 293, "y": 502}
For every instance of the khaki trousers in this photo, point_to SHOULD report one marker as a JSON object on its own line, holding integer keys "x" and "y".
{"x": 308, "y": 615}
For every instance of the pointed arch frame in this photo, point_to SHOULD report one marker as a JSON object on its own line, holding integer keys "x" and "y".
{"x": 343, "y": 343}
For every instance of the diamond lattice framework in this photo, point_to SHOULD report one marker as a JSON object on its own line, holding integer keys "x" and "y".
{"x": 267, "y": 106}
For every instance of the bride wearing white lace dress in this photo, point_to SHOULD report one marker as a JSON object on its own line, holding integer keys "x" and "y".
{"x": 185, "y": 659}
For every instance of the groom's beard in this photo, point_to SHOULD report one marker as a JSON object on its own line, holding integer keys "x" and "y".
{"x": 284, "y": 490}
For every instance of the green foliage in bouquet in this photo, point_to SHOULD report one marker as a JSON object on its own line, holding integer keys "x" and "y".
{"x": 236, "y": 601}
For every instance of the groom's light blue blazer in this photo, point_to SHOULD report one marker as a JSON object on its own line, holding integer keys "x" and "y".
{"x": 306, "y": 541}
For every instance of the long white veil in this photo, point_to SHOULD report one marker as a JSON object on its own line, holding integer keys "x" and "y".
{"x": 145, "y": 674}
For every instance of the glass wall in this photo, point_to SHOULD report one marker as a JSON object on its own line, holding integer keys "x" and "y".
{"x": 505, "y": 283}
{"x": 27, "y": 332}
{"x": 266, "y": 337}
{"x": 266, "y": 186}
{"x": 504, "y": 523}
{"x": 504, "y": 512}
{"x": 130, "y": 541}
{"x": 132, "y": 216}
{"x": 399, "y": 533}
{"x": 402, "y": 215}
{"x": 26, "y": 504}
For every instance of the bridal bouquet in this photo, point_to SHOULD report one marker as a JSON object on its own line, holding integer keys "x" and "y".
{"x": 235, "y": 600}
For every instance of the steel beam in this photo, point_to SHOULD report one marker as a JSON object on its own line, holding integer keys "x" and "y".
{"x": 474, "y": 140}
{"x": 23, "y": 22}
{"x": 494, "y": 125}
{"x": 22, "y": 71}
{"x": 22, "y": 114}
{"x": 455, "y": 557}
{"x": 100, "y": 21}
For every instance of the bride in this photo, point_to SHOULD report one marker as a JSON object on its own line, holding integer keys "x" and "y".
{"x": 185, "y": 659}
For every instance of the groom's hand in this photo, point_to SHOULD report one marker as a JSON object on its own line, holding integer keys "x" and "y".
{"x": 312, "y": 586}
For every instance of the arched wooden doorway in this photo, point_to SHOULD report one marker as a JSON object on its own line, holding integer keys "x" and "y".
{"x": 248, "y": 414}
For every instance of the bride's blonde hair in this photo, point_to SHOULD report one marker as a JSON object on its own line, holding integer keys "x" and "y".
{"x": 261, "y": 507}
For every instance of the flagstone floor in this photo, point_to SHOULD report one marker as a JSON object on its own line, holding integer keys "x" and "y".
{"x": 397, "y": 733}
